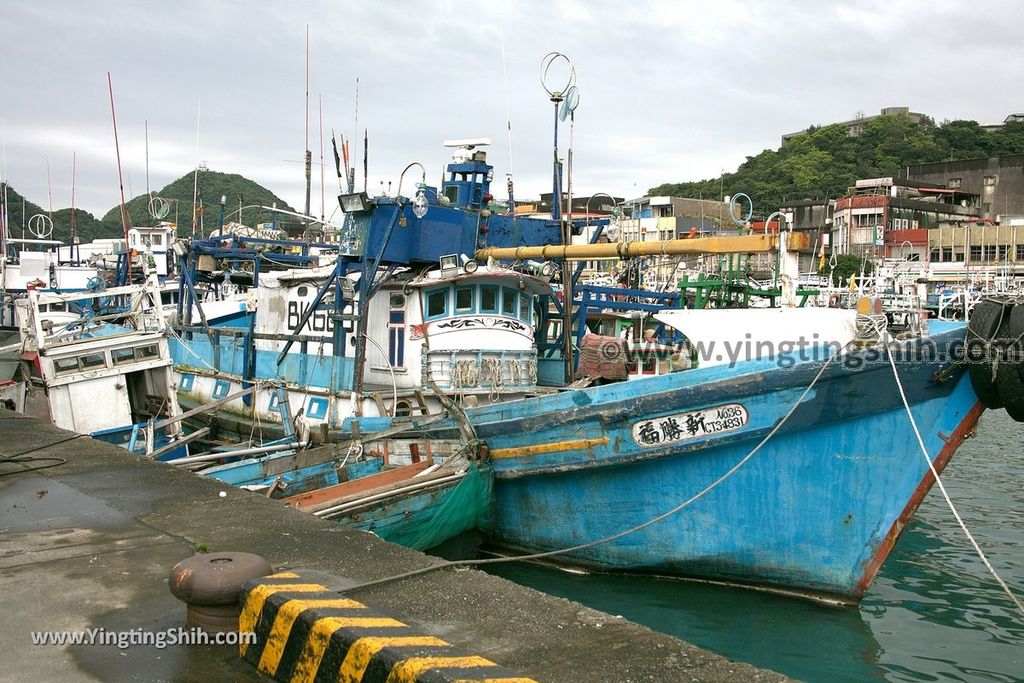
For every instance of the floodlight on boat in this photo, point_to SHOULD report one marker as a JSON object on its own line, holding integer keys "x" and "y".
{"x": 469, "y": 265}
{"x": 352, "y": 203}
{"x": 419, "y": 202}
{"x": 546, "y": 269}
{"x": 449, "y": 263}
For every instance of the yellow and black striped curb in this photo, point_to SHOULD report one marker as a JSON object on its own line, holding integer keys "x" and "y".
{"x": 306, "y": 633}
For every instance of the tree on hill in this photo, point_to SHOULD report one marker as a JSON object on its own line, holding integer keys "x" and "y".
{"x": 212, "y": 187}
{"x": 823, "y": 162}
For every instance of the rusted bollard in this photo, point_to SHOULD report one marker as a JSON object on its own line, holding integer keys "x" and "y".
{"x": 210, "y": 585}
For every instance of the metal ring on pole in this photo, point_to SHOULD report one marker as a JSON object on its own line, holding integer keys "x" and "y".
{"x": 159, "y": 208}
{"x": 732, "y": 211}
{"x": 40, "y": 226}
{"x": 545, "y": 66}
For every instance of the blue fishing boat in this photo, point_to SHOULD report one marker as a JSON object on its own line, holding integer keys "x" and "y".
{"x": 815, "y": 510}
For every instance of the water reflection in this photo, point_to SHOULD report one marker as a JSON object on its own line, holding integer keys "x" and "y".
{"x": 934, "y": 612}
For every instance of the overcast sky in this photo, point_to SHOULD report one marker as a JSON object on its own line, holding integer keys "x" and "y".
{"x": 670, "y": 91}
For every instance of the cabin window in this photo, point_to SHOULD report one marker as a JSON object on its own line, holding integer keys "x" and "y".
{"x": 145, "y": 352}
{"x": 525, "y": 308}
{"x": 396, "y": 331}
{"x": 220, "y": 389}
{"x": 65, "y": 366}
{"x": 317, "y": 408}
{"x": 93, "y": 361}
{"x": 123, "y": 356}
{"x": 509, "y": 297}
{"x": 437, "y": 303}
{"x": 302, "y": 291}
{"x": 464, "y": 300}
{"x": 488, "y": 299}
{"x": 158, "y": 240}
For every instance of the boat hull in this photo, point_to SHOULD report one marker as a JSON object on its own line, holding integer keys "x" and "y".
{"x": 816, "y": 510}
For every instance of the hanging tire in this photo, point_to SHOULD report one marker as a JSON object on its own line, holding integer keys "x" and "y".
{"x": 986, "y": 319}
{"x": 1010, "y": 375}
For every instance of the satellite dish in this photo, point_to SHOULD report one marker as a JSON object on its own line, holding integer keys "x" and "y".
{"x": 569, "y": 104}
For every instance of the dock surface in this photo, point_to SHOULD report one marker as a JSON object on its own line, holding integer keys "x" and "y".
{"x": 89, "y": 543}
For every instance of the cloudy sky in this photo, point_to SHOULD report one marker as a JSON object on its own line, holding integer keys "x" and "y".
{"x": 670, "y": 91}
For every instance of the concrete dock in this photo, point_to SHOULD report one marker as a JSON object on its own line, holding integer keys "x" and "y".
{"x": 88, "y": 544}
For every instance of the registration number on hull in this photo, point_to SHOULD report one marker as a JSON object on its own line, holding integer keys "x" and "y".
{"x": 692, "y": 425}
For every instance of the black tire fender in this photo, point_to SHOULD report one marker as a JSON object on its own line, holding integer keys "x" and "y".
{"x": 986, "y": 320}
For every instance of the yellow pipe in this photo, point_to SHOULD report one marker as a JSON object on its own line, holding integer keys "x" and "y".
{"x": 744, "y": 244}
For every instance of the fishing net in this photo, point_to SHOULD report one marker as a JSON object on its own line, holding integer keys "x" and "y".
{"x": 445, "y": 514}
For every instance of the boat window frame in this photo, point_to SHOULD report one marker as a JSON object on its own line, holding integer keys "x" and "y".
{"x": 427, "y": 294}
{"x": 497, "y": 299}
{"x": 505, "y": 291}
{"x": 526, "y": 315}
{"x": 471, "y": 310}
{"x": 127, "y": 356}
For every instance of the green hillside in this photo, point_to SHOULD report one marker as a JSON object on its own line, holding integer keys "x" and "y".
{"x": 212, "y": 186}
{"x": 826, "y": 161}
{"x": 178, "y": 195}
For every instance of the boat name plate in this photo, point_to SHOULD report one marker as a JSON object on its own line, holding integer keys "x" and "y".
{"x": 696, "y": 424}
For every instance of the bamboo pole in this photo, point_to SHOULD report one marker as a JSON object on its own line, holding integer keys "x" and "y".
{"x": 745, "y": 244}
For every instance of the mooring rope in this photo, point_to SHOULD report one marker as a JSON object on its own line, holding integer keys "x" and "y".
{"x": 942, "y": 488}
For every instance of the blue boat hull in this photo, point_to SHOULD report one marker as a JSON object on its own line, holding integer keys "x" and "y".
{"x": 815, "y": 511}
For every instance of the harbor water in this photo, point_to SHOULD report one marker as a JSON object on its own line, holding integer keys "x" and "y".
{"x": 933, "y": 614}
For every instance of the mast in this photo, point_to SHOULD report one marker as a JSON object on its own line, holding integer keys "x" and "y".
{"x": 74, "y": 237}
{"x": 120, "y": 178}
{"x": 320, "y": 102}
{"x": 309, "y": 154}
{"x": 508, "y": 123}
{"x": 195, "y": 177}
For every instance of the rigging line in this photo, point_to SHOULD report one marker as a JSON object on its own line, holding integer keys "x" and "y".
{"x": 639, "y": 527}
{"x": 949, "y": 502}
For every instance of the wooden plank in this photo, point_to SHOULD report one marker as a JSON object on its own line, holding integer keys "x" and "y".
{"x": 206, "y": 407}
{"x": 185, "y": 439}
{"x": 306, "y": 500}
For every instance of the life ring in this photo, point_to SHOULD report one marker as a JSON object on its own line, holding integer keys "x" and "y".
{"x": 982, "y": 329}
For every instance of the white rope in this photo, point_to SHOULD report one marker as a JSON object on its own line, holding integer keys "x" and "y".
{"x": 942, "y": 488}
{"x": 490, "y": 370}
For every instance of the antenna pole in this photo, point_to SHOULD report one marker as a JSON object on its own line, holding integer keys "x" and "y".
{"x": 74, "y": 169}
{"x": 117, "y": 150}
{"x": 195, "y": 177}
{"x": 320, "y": 102}
{"x": 148, "y": 193}
{"x": 508, "y": 121}
{"x": 309, "y": 155}
{"x": 49, "y": 191}
{"x": 355, "y": 131}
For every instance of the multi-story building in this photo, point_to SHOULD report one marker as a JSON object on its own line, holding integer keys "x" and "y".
{"x": 856, "y": 125}
{"x": 998, "y": 181}
{"x": 891, "y": 218}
